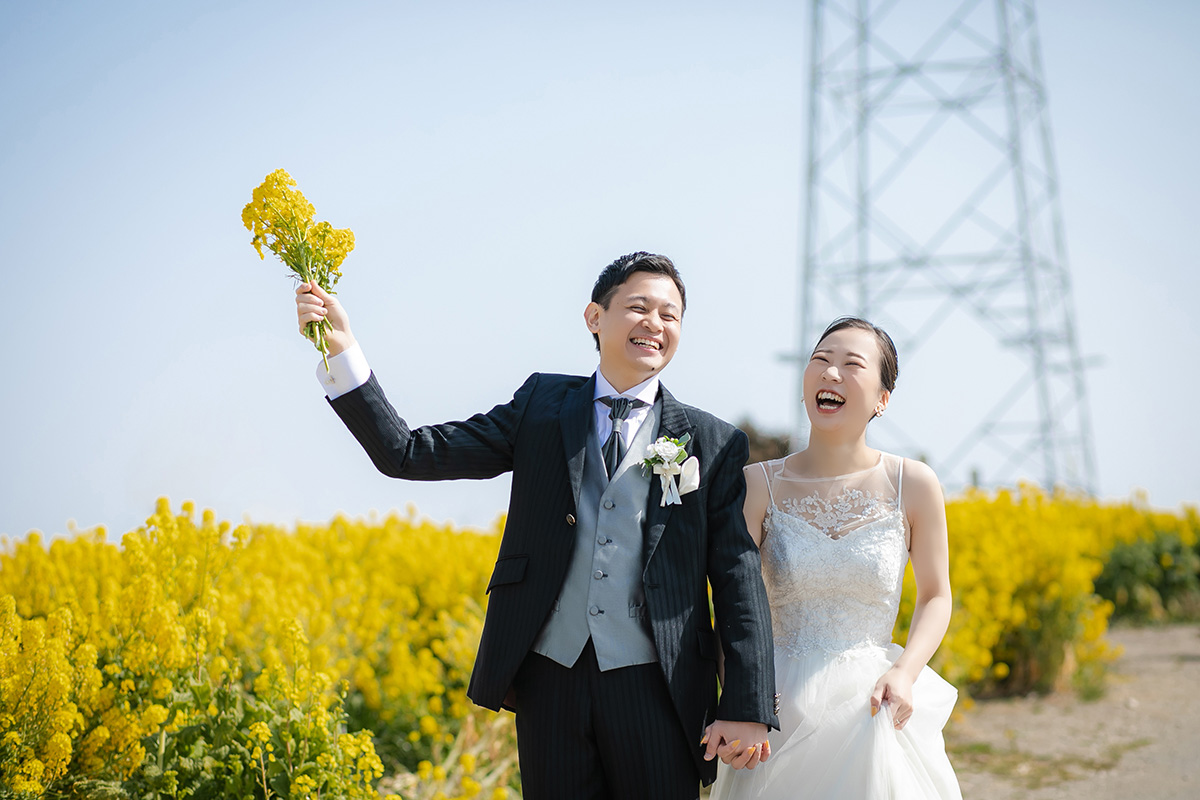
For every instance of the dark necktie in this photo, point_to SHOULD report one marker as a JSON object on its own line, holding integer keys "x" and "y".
{"x": 614, "y": 446}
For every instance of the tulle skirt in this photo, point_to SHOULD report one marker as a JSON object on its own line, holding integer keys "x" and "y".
{"x": 830, "y": 746}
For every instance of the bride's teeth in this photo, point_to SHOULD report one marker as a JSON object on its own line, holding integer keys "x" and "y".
{"x": 829, "y": 397}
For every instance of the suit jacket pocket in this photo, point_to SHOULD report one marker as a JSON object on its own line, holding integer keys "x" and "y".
{"x": 509, "y": 569}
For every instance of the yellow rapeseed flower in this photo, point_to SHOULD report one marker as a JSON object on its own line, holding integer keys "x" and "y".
{"x": 260, "y": 731}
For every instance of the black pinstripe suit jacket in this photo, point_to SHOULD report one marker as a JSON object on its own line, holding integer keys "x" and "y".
{"x": 540, "y": 436}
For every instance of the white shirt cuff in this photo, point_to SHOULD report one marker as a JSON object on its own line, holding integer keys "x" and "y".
{"x": 348, "y": 370}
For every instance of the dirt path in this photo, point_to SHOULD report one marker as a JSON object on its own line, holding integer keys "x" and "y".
{"x": 1142, "y": 739}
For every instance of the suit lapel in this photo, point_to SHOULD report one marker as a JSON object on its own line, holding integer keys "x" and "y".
{"x": 576, "y": 421}
{"x": 674, "y": 423}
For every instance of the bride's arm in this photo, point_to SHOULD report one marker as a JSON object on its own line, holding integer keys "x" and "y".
{"x": 755, "y": 507}
{"x": 930, "y": 555}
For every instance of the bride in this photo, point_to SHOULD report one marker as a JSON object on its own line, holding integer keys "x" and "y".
{"x": 836, "y": 523}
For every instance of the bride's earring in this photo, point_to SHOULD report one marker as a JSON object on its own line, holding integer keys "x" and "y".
{"x": 879, "y": 412}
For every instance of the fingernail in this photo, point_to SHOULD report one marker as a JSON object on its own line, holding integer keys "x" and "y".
{"x": 705, "y": 739}
{"x": 735, "y": 743}
{"x": 874, "y": 710}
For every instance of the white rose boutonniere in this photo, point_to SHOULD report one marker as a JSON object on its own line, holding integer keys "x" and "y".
{"x": 668, "y": 458}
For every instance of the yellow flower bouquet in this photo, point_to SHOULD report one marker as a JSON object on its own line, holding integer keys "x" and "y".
{"x": 281, "y": 218}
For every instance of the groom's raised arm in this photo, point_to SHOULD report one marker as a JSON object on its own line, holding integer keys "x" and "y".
{"x": 479, "y": 447}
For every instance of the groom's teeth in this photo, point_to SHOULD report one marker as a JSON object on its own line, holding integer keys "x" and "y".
{"x": 646, "y": 343}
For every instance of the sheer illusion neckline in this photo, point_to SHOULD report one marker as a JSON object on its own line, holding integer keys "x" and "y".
{"x": 783, "y": 466}
{"x": 840, "y": 505}
{"x": 816, "y": 531}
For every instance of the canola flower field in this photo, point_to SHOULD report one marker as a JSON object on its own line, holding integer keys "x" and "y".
{"x": 201, "y": 659}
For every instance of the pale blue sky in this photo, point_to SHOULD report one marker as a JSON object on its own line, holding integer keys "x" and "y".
{"x": 491, "y": 158}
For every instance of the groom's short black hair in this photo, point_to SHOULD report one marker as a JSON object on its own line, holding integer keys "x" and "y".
{"x": 619, "y": 271}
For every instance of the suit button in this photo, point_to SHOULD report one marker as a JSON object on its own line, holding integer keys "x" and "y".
{"x": 608, "y": 503}
{"x": 570, "y": 519}
{"x": 598, "y": 574}
{"x": 602, "y": 539}
{"x": 594, "y": 610}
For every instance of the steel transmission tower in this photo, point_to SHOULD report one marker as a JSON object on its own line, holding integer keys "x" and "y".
{"x": 932, "y": 209}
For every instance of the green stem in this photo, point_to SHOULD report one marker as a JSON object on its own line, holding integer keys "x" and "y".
{"x": 162, "y": 748}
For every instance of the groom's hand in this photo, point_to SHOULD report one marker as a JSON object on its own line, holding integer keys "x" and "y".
{"x": 741, "y": 745}
{"x": 314, "y": 304}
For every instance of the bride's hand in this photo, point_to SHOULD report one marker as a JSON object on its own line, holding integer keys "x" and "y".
{"x": 895, "y": 686}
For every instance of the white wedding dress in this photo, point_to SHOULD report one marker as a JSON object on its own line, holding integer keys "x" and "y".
{"x": 833, "y": 555}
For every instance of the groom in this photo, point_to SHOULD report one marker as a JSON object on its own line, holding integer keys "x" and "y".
{"x": 598, "y": 633}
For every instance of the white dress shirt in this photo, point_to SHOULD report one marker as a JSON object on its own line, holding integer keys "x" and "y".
{"x": 349, "y": 370}
{"x": 646, "y": 391}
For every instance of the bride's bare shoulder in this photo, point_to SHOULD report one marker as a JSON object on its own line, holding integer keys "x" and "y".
{"x": 919, "y": 477}
{"x": 757, "y": 470}
{"x": 757, "y": 497}
{"x": 924, "y": 500}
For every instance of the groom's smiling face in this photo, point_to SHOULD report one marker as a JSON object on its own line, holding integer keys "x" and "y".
{"x": 639, "y": 331}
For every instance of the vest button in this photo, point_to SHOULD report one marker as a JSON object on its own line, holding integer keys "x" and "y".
{"x": 602, "y": 539}
{"x": 594, "y": 610}
{"x": 608, "y": 503}
{"x": 570, "y": 519}
{"x": 598, "y": 574}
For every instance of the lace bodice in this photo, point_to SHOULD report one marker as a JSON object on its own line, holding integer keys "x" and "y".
{"x": 833, "y": 554}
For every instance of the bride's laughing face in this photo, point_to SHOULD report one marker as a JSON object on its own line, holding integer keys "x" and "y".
{"x": 843, "y": 384}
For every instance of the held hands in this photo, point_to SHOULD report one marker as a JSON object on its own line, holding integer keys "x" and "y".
{"x": 894, "y": 687}
{"x": 314, "y": 304}
{"x": 741, "y": 745}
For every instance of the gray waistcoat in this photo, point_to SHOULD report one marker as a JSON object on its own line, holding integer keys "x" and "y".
{"x": 602, "y": 595}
